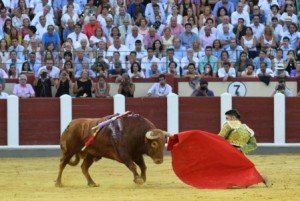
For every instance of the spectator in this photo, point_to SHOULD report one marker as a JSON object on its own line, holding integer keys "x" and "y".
{"x": 167, "y": 38}
{"x": 158, "y": 25}
{"x": 193, "y": 75}
{"x": 41, "y": 27}
{"x": 240, "y": 13}
{"x": 102, "y": 88}
{"x": 296, "y": 72}
{"x": 70, "y": 28}
{"x": 281, "y": 72}
{"x": 207, "y": 13}
{"x": 186, "y": 5}
{"x": 257, "y": 27}
{"x": 38, "y": 6}
{"x": 285, "y": 47}
{"x": 13, "y": 59}
{"x": 187, "y": 37}
{"x": 107, "y": 26}
{"x": 190, "y": 58}
{"x": 179, "y": 50}
{"x": 3, "y": 95}
{"x": 85, "y": 67}
{"x": 26, "y": 68}
{"x": 249, "y": 71}
{"x": 242, "y": 63}
{"x": 77, "y": 36}
{"x": 208, "y": 71}
{"x": 148, "y": 60}
{"x": 151, "y": 37}
{"x": 159, "y": 52}
{"x": 4, "y": 56}
{"x": 133, "y": 37}
{"x": 274, "y": 13}
{"x": 115, "y": 33}
{"x": 175, "y": 13}
{"x": 136, "y": 71}
{"x": 249, "y": 43}
{"x": 68, "y": 66}
{"x": 88, "y": 51}
{"x": 126, "y": 87}
{"x": 98, "y": 36}
{"x": 46, "y": 13}
{"x": 116, "y": 59}
{"x": 203, "y": 90}
{"x": 224, "y": 58}
{"x": 161, "y": 88}
{"x": 234, "y": 51}
{"x": 210, "y": 59}
{"x": 79, "y": 60}
{"x": 226, "y": 36}
{"x": 12, "y": 72}
{"x": 43, "y": 84}
{"x": 91, "y": 26}
{"x": 14, "y": 34}
{"x": 7, "y": 28}
{"x": 31, "y": 34}
{"x": 224, "y": 3}
{"x": 176, "y": 29}
{"x": 263, "y": 71}
{"x": 268, "y": 39}
{"x": 3, "y": 16}
{"x": 289, "y": 13}
{"x": 140, "y": 51}
{"x": 51, "y": 36}
{"x": 17, "y": 20}
{"x": 117, "y": 71}
{"x": 207, "y": 39}
{"x": 173, "y": 69}
{"x": 149, "y": 11}
{"x": 282, "y": 88}
{"x": 262, "y": 57}
{"x": 3, "y": 74}
{"x": 226, "y": 71}
{"x": 83, "y": 87}
{"x": 256, "y": 12}
{"x": 69, "y": 15}
{"x": 23, "y": 90}
{"x": 217, "y": 48}
{"x": 240, "y": 29}
{"x": 52, "y": 70}
{"x": 125, "y": 29}
{"x": 117, "y": 46}
{"x": 290, "y": 62}
{"x": 134, "y": 7}
{"x": 34, "y": 63}
{"x": 77, "y": 8}
{"x": 278, "y": 29}
{"x": 221, "y": 13}
{"x": 63, "y": 84}
{"x": 293, "y": 35}
{"x": 210, "y": 24}
{"x": 119, "y": 18}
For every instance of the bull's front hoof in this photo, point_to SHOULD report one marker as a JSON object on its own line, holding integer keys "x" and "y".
{"x": 139, "y": 180}
{"x": 58, "y": 184}
{"x": 93, "y": 185}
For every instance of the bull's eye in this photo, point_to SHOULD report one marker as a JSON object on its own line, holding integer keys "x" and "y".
{"x": 154, "y": 145}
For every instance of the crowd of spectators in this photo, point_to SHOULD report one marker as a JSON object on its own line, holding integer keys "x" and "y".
{"x": 67, "y": 43}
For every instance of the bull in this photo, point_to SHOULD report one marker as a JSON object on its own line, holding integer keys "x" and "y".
{"x": 125, "y": 140}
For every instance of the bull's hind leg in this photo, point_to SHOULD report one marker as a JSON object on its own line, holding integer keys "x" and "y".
{"x": 141, "y": 163}
{"x": 63, "y": 162}
{"x": 87, "y": 162}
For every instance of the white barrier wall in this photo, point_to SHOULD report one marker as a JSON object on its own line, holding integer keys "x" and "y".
{"x": 119, "y": 107}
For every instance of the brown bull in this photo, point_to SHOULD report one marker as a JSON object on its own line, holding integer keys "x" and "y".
{"x": 124, "y": 140}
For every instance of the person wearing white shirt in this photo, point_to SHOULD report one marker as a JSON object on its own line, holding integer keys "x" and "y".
{"x": 125, "y": 29}
{"x": 40, "y": 6}
{"x": 226, "y": 71}
{"x": 220, "y": 26}
{"x": 41, "y": 27}
{"x": 189, "y": 58}
{"x": 77, "y": 36}
{"x": 293, "y": 35}
{"x": 257, "y": 27}
{"x": 118, "y": 47}
{"x": 209, "y": 23}
{"x": 278, "y": 30}
{"x": 34, "y": 3}
{"x": 13, "y": 59}
{"x": 167, "y": 59}
{"x": 148, "y": 60}
{"x": 239, "y": 13}
{"x": 149, "y": 11}
{"x": 77, "y": 9}
{"x": 160, "y": 89}
{"x": 234, "y": 51}
{"x": 133, "y": 37}
{"x": 53, "y": 71}
{"x": 17, "y": 20}
{"x": 15, "y": 46}
{"x": 289, "y": 13}
{"x": 44, "y": 13}
{"x": 265, "y": 6}
{"x": 174, "y": 14}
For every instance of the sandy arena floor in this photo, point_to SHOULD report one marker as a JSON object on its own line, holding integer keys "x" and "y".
{"x": 32, "y": 179}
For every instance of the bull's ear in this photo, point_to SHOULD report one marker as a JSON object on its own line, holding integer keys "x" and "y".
{"x": 154, "y": 144}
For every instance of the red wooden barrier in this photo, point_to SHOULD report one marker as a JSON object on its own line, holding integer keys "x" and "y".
{"x": 39, "y": 121}
{"x": 292, "y": 128}
{"x": 258, "y": 114}
{"x": 3, "y": 122}
{"x": 200, "y": 113}
{"x": 155, "y": 109}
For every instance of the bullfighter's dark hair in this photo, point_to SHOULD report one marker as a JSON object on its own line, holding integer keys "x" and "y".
{"x": 233, "y": 112}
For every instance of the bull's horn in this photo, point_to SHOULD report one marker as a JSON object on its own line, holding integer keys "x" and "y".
{"x": 167, "y": 134}
{"x": 151, "y": 135}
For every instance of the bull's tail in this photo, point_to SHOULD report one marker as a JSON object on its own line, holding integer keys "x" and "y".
{"x": 75, "y": 161}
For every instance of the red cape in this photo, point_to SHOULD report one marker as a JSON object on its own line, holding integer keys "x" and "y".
{"x": 206, "y": 160}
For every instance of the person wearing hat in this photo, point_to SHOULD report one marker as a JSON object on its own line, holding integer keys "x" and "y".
{"x": 203, "y": 90}
{"x": 289, "y": 13}
{"x": 280, "y": 72}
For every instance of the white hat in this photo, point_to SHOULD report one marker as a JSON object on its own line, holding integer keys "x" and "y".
{"x": 288, "y": 19}
{"x": 279, "y": 67}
